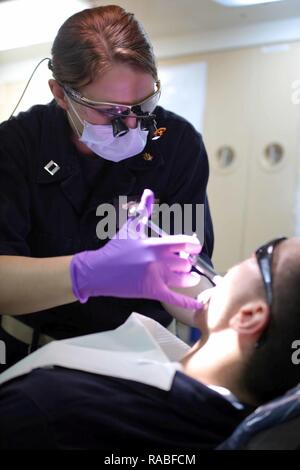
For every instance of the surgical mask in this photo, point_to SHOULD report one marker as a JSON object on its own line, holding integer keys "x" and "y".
{"x": 99, "y": 138}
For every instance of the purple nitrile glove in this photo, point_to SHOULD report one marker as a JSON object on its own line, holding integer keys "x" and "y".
{"x": 137, "y": 267}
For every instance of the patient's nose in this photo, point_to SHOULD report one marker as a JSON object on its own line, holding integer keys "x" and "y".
{"x": 217, "y": 280}
{"x": 205, "y": 295}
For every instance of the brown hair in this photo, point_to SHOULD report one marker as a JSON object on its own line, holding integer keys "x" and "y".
{"x": 90, "y": 41}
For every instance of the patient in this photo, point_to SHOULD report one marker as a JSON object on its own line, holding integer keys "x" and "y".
{"x": 248, "y": 323}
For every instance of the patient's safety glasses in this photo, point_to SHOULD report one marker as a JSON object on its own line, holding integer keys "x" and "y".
{"x": 143, "y": 109}
{"x": 264, "y": 257}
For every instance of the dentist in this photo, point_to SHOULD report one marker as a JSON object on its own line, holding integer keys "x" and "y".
{"x": 103, "y": 136}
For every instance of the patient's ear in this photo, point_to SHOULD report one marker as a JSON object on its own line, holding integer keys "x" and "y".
{"x": 58, "y": 93}
{"x": 251, "y": 319}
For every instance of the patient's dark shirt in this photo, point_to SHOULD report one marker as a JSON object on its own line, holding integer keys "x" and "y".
{"x": 59, "y": 408}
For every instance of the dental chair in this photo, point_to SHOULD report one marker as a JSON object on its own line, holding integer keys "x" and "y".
{"x": 273, "y": 426}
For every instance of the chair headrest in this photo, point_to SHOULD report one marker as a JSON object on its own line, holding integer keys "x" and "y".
{"x": 275, "y": 425}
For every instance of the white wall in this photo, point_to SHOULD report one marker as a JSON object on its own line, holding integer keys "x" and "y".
{"x": 16, "y": 69}
{"x": 184, "y": 90}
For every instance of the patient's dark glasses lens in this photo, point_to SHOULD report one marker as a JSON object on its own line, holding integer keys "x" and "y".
{"x": 264, "y": 257}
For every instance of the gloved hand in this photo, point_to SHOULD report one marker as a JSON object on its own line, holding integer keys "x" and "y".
{"x": 137, "y": 267}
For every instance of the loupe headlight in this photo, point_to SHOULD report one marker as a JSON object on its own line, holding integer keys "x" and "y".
{"x": 119, "y": 127}
{"x": 149, "y": 124}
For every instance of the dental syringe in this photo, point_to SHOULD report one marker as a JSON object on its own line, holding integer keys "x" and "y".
{"x": 198, "y": 264}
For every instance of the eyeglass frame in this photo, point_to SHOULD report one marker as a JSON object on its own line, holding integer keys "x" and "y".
{"x": 78, "y": 98}
{"x": 264, "y": 258}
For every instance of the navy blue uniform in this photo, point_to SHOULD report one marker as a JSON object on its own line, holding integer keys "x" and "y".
{"x": 44, "y": 215}
{"x": 67, "y": 409}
